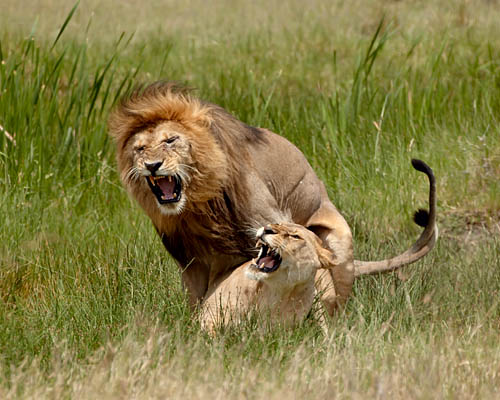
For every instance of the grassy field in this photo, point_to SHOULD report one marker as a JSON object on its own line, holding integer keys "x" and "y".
{"x": 91, "y": 305}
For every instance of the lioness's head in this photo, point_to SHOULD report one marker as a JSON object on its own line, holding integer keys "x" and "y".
{"x": 289, "y": 253}
{"x": 167, "y": 155}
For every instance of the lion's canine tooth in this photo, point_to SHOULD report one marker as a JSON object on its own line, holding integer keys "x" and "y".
{"x": 170, "y": 178}
{"x": 260, "y": 252}
{"x": 175, "y": 195}
{"x": 151, "y": 179}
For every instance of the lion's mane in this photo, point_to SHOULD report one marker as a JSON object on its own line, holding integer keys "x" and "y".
{"x": 217, "y": 208}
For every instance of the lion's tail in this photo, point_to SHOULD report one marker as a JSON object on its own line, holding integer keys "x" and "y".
{"x": 425, "y": 242}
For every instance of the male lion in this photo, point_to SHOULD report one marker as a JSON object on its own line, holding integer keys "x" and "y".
{"x": 278, "y": 283}
{"x": 208, "y": 181}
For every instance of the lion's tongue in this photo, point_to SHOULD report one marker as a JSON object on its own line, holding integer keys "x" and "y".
{"x": 167, "y": 187}
{"x": 267, "y": 262}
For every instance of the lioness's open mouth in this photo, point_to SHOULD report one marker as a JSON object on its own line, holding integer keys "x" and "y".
{"x": 167, "y": 189}
{"x": 268, "y": 259}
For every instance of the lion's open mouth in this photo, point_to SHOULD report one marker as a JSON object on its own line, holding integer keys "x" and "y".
{"x": 268, "y": 259}
{"x": 167, "y": 189}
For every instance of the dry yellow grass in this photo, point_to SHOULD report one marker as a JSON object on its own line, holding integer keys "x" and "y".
{"x": 457, "y": 365}
{"x": 78, "y": 261}
{"x": 205, "y": 21}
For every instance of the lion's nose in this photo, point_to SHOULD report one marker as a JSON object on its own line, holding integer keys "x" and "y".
{"x": 154, "y": 166}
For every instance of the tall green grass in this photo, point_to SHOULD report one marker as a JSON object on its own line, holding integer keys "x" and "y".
{"x": 87, "y": 293}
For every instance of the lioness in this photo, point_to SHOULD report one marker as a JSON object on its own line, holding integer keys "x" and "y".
{"x": 208, "y": 180}
{"x": 279, "y": 282}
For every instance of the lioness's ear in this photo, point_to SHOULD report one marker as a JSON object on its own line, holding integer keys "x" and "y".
{"x": 326, "y": 257}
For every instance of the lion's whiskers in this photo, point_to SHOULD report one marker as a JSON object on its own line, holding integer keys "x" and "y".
{"x": 187, "y": 166}
{"x": 132, "y": 174}
{"x": 183, "y": 174}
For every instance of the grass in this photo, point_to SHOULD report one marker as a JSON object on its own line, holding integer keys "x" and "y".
{"x": 90, "y": 303}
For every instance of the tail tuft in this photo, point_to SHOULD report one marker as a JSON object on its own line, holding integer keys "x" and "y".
{"x": 421, "y": 217}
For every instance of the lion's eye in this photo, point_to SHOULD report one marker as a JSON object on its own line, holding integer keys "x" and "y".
{"x": 171, "y": 139}
{"x": 295, "y": 236}
{"x": 139, "y": 149}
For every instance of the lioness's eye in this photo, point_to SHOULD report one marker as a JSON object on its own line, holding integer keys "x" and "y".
{"x": 171, "y": 139}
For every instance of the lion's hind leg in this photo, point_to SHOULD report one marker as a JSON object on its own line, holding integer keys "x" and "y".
{"x": 334, "y": 284}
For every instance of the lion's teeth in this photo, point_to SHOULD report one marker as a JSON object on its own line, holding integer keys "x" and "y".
{"x": 170, "y": 178}
{"x": 151, "y": 179}
{"x": 175, "y": 195}
{"x": 260, "y": 252}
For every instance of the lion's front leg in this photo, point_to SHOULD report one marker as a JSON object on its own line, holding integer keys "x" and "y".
{"x": 194, "y": 279}
{"x": 334, "y": 284}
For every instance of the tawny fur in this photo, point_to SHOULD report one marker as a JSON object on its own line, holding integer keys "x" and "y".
{"x": 284, "y": 296}
{"x": 237, "y": 178}
{"x": 218, "y": 150}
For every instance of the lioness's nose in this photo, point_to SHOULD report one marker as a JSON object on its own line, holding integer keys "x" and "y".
{"x": 154, "y": 166}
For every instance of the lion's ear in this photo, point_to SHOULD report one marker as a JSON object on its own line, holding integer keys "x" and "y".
{"x": 326, "y": 257}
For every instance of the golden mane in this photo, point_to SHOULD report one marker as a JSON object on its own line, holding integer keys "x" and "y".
{"x": 150, "y": 105}
{"x": 235, "y": 177}
{"x": 169, "y": 101}
{"x": 219, "y": 208}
